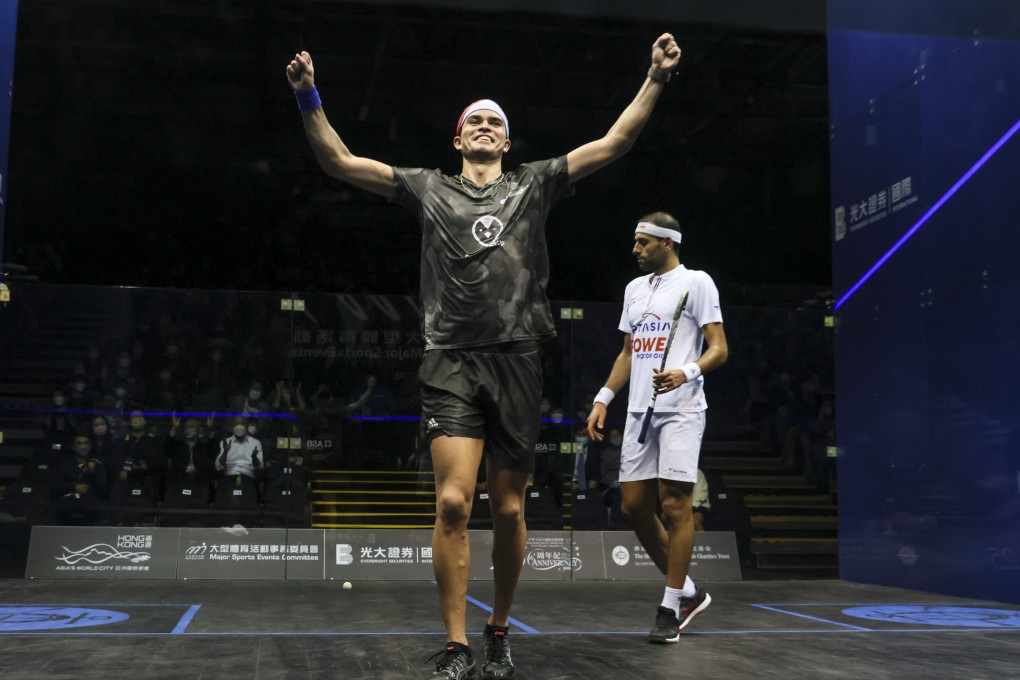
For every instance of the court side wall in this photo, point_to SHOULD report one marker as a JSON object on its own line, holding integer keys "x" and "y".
{"x": 925, "y": 109}
{"x": 8, "y": 26}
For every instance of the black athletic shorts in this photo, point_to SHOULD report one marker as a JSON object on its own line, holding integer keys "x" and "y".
{"x": 491, "y": 393}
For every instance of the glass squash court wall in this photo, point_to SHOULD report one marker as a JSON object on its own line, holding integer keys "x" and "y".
{"x": 338, "y": 413}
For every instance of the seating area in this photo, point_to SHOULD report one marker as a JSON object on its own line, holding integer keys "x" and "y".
{"x": 338, "y": 454}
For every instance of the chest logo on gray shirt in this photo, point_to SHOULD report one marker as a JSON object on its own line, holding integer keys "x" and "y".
{"x": 487, "y": 230}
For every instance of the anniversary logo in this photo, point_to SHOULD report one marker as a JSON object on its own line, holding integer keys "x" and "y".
{"x": 549, "y": 553}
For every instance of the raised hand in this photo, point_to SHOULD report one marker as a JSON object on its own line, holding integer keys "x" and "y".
{"x": 300, "y": 72}
{"x": 665, "y": 53}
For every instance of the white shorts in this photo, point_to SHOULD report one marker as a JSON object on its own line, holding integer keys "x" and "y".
{"x": 670, "y": 451}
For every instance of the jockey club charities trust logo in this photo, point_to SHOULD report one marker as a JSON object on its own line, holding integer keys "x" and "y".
{"x": 621, "y": 555}
{"x": 487, "y": 230}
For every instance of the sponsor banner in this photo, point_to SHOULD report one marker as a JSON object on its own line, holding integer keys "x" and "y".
{"x": 590, "y": 564}
{"x": 347, "y": 555}
{"x": 102, "y": 552}
{"x": 714, "y": 558}
{"x": 238, "y": 553}
{"x": 548, "y": 556}
{"x": 387, "y": 554}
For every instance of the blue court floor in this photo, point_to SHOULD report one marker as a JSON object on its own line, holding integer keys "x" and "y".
{"x": 221, "y": 630}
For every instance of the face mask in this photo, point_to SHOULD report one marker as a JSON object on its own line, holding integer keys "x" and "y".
{"x": 82, "y": 450}
{"x": 190, "y": 432}
{"x": 79, "y": 387}
{"x": 99, "y": 430}
{"x": 557, "y": 416}
{"x": 254, "y": 395}
{"x": 124, "y": 362}
{"x": 137, "y": 424}
{"x": 58, "y": 401}
{"x": 543, "y": 408}
{"x": 252, "y": 429}
{"x": 240, "y": 430}
{"x": 120, "y": 392}
{"x": 616, "y": 441}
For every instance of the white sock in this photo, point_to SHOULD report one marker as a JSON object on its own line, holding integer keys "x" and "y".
{"x": 689, "y": 589}
{"x": 671, "y": 599}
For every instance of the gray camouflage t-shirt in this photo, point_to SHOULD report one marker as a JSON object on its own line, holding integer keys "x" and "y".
{"x": 484, "y": 261}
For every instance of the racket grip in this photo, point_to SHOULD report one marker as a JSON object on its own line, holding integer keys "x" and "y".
{"x": 645, "y": 422}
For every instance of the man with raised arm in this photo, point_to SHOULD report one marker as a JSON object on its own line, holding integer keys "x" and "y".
{"x": 484, "y": 270}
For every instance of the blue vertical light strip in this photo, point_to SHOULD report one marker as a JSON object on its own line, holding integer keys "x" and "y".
{"x": 931, "y": 211}
{"x": 8, "y": 31}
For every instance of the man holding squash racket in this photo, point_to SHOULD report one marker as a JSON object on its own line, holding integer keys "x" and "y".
{"x": 669, "y": 314}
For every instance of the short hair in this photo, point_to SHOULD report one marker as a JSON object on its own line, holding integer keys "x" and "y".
{"x": 666, "y": 221}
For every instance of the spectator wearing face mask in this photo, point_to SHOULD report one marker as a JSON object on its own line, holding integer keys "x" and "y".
{"x": 114, "y": 410}
{"x": 189, "y": 452}
{"x": 174, "y": 359}
{"x": 103, "y": 446}
{"x": 140, "y": 456}
{"x": 79, "y": 398}
{"x": 253, "y": 403}
{"x": 92, "y": 366}
{"x": 59, "y": 422}
{"x": 289, "y": 399}
{"x": 123, "y": 375}
{"x": 241, "y": 460}
{"x": 80, "y": 486}
{"x": 167, "y": 391}
{"x": 190, "y": 474}
{"x": 240, "y": 453}
{"x": 215, "y": 378}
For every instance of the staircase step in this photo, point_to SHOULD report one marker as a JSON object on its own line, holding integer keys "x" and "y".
{"x": 795, "y": 522}
{"x": 768, "y": 482}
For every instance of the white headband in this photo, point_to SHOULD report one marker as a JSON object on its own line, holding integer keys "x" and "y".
{"x": 479, "y": 105}
{"x": 656, "y": 230}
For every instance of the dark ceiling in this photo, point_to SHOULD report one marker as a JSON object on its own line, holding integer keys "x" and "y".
{"x": 157, "y": 143}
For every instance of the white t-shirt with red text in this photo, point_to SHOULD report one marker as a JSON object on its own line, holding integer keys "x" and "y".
{"x": 648, "y": 307}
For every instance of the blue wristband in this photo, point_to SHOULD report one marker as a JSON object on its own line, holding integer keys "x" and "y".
{"x": 308, "y": 100}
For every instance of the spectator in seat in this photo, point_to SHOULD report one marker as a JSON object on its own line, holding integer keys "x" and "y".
{"x": 79, "y": 399}
{"x": 252, "y": 404}
{"x": 93, "y": 367}
{"x": 240, "y": 453}
{"x": 59, "y": 422}
{"x": 104, "y": 447}
{"x": 80, "y": 486}
{"x": 140, "y": 455}
{"x": 189, "y": 454}
{"x": 700, "y": 501}
{"x": 122, "y": 375}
